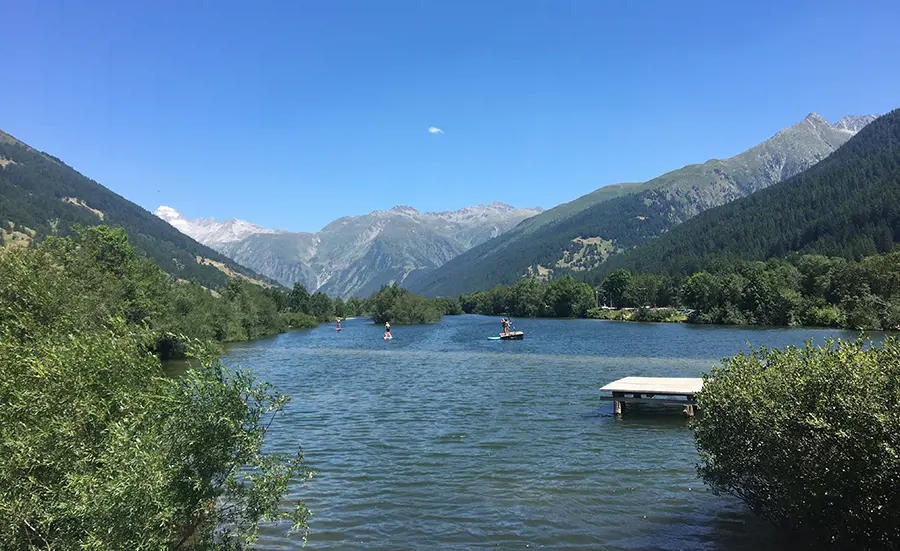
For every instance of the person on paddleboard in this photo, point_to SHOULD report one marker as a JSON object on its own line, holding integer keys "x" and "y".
{"x": 506, "y": 324}
{"x": 387, "y": 330}
{"x": 339, "y": 324}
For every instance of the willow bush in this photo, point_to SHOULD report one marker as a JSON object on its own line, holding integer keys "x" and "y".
{"x": 809, "y": 438}
{"x": 99, "y": 450}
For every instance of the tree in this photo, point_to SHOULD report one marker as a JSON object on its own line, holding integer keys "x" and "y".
{"x": 614, "y": 287}
{"x": 808, "y": 438}
{"x": 340, "y": 309}
{"x": 566, "y": 298}
{"x": 399, "y": 306}
{"x": 320, "y": 306}
{"x": 355, "y": 306}
{"x": 298, "y": 299}
{"x": 642, "y": 290}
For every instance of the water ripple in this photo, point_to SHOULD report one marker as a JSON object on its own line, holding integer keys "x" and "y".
{"x": 442, "y": 439}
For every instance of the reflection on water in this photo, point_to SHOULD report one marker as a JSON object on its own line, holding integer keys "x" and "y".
{"x": 442, "y": 439}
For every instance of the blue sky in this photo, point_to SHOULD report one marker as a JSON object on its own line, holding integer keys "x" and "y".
{"x": 292, "y": 114}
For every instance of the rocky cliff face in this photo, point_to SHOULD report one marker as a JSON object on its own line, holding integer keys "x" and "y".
{"x": 355, "y": 255}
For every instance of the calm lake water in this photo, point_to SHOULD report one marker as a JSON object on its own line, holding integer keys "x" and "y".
{"x": 442, "y": 439}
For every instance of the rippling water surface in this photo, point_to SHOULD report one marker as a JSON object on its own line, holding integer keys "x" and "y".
{"x": 441, "y": 439}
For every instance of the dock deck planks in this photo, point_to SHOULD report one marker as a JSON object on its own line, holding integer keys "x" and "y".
{"x": 643, "y": 389}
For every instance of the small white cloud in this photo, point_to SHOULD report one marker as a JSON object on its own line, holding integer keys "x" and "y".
{"x": 435, "y": 130}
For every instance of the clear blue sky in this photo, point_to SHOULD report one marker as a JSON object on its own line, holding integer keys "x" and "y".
{"x": 291, "y": 114}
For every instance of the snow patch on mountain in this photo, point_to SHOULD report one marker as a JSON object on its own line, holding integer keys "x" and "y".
{"x": 210, "y": 231}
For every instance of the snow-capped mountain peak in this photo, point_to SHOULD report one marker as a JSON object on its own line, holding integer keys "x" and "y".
{"x": 210, "y": 231}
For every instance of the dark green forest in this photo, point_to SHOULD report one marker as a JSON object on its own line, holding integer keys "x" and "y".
{"x": 33, "y": 189}
{"x": 847, "y": 205}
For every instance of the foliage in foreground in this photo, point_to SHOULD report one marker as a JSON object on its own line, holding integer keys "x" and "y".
{"x": 98, "y": 449}
{"x": 809, "y": 438}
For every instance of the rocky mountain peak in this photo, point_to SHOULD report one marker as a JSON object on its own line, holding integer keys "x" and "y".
{"x": 404, "y": 209}
{"x": 816, "y": 118}
{"x": 210, "y": 231}
{"x": 854, "y": 124}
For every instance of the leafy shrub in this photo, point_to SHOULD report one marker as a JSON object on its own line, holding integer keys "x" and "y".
{"x": 659, "y": 315}
{"x": 827, "y": 315}
{"x": 603, "y": 314}
{"x": 809, "y": 438}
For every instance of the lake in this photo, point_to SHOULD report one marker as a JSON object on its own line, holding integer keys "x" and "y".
{"x": 442, "y": 439}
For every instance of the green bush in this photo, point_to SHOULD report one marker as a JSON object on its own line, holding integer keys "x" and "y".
{"x": 297, "y": 320}
{"x": 809, "y": 438}
{"x": 660, "y": 315}
{"x": 604, "y": 314}
{"x": 98, "y": 449}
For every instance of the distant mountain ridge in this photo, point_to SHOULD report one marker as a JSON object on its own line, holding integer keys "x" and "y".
{"x": 40, "y": 195}
{"x": 355, "y": 255}
{"x": 583, "y": 234}
{"x": 847, "y": 205}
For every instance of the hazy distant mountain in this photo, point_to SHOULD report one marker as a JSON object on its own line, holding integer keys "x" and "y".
{"x": 355, "y": 255}
{"x": 582, "y": 234}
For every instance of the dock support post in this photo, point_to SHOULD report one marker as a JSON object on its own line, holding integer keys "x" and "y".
{"x": 618, "y": 405}
{"x": 689, "y": 409}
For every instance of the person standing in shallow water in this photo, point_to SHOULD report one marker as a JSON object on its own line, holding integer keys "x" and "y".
{"x": 387, "y": 330}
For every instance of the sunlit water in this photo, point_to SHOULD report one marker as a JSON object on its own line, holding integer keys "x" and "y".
{"x": 442, "y": 439}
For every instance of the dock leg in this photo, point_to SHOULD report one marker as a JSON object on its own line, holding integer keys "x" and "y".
{"x": 618, "y": 406}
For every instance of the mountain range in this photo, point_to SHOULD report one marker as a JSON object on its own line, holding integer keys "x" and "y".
{"x": 354, "y": 255}
{"x": 437, "y": 253}
{"x": 848, "y": 205}
{"x": 582, "y": 234}
{"x": 40, "y": 195}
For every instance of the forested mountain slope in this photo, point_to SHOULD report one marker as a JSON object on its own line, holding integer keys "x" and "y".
{"x": 583, "y": 238}
{"x": 40, "y": 195}
{"x": 847, "y": 205}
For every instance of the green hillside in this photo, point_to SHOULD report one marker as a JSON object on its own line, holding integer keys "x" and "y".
{"x": 847, "y": 205}
{"x": 581, "y": 235}
{"x": 40, "y": 195}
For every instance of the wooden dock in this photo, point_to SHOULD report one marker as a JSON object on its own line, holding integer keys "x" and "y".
{"x": 674, "y": 391}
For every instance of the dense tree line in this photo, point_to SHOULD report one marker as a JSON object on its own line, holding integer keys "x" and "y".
{"x": 812, "y": 290}
{"x": 560, "y": 298}
{"x": 32, "y": 191}
{"x": 108, "y": 276}
{"x": 847, "y": 205}
{"x": 98, "y": 448}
